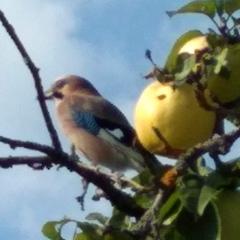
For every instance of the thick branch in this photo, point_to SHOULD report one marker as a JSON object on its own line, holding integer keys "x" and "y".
{"x": 121, "y": 200}
{"x": 217, "y": 145}
{"x": 148, "y": 221}
{"x": 221, "y": 144}
{"x": 37, "y": 80}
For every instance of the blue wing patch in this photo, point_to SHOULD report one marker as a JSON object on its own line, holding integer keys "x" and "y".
{"x": 93, "y": 125}
{"x": 86, "y": 121}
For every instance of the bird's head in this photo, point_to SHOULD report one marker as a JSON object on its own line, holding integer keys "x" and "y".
{"x": 70, "y": 85}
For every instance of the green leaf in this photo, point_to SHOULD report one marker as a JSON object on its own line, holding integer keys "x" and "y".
{"x": 219, "y": 4}
{"x": 190, "y": 191}
{"x": 216, "y": 41}
{"x": 205, "y": 7}
{"x": 186, "y": 66}
{"x": 230, "y": 6}
{"x": 202, "y": 169}
{"x": 143, "y": 200}
{"x": 119, "y": 220}
{"x": 97, "y": 217}
{"x": 90, "y": 229}
{"x": 213, "y": 182}
{"x": 51, "y": 230}
{"x": 221, "y": 60}
{"x": 86, "y": 236}
{"x": 190, "y": 200}
{"x": 144, "y": 178}
{"x": 87, "y": 227}
{"x": 115, "y": 235}
{"x": 217, "y": 180}
{"x": 205, "y": 227}
{"x": 172, "y": 59}
{"x": 170, "y": 209}
{"x": 206, "y": 195}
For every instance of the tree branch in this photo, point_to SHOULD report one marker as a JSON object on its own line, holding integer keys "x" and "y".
{"x": 222, "y": 144}
{"x": 148, "y": 221}
{"x": 217, "y": 145}
{"x": 37, "y": 80}
{"x": 118, "y": 198}
{"x": 37, "y": 163}
{"x": 29, "y": 145}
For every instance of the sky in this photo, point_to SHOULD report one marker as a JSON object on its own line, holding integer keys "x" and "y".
{"x": 101, "y": 40}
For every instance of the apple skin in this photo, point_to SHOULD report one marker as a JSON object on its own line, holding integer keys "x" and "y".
{"x": 226, "y": 88}
{"x": 177, "y": 116}
{"x": 228, "y": 204}
{"x": 197, "y": 43}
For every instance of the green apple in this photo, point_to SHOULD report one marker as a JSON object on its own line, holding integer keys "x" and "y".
{"x": 228, "y": 204}
{"x": 225, "y": 87}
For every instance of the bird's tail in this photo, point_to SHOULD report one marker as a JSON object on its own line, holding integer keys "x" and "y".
{"x": 150, "y": 160}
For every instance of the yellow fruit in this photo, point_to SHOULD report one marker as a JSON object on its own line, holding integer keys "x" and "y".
{"x": 198, "y": 43}
{"x": 176, "y": 114}
{"x": 226, "y": 88}
{"x": 228, "y": 203}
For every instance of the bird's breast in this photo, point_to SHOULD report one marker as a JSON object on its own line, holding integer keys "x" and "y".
{"x": 64, "y": 118}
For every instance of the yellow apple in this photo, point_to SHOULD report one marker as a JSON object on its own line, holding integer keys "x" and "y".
{"x": 197, "y": 43}
{"x": 228, "y": 204}
{"x": 168, "y": 120}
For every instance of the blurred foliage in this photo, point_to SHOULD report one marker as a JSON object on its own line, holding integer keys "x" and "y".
{"x": 187, "y": 208}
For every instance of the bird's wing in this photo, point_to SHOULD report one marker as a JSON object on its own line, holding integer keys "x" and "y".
{"x": 96, "y": 113}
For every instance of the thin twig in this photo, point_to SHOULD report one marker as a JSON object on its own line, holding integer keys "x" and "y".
{"x": 37, "y": 163}
{"x": 118, "y": 198}
{"x": 81, "y": 198}
{"x": 37, "y": 80}
{"x": 29, "y": 145}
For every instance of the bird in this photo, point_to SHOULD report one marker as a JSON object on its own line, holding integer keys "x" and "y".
{"x": 95, "y": 127}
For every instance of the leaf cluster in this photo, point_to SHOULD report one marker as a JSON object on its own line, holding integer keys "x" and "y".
{"x": 183, "y": 206}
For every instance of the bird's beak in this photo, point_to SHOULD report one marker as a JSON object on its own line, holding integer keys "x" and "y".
{"x": 48, "y": 95}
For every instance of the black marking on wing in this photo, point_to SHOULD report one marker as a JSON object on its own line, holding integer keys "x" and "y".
{"x": 128, "y": 131}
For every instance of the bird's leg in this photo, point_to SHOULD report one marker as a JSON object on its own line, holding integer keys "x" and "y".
{"x": 73, "y": 154}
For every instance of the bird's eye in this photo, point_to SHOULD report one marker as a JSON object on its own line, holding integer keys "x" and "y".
{"x": 60, "y": 84}
{"x": 58, "y": 95}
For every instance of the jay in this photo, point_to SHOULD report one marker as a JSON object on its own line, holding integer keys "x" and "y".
{"x": 93, "y": 125}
